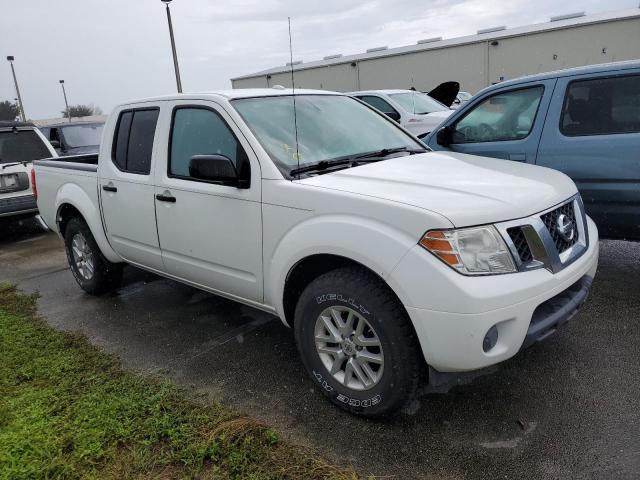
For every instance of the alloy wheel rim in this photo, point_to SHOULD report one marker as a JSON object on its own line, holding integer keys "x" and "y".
{"x": 349, "y": 348}
{"x": 82, "y": 256}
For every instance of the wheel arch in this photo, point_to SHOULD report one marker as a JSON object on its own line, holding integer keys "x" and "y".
{"x": 73, "y": 201}
{"x": 311, "y": 248}
{"x": 308, "y": 269}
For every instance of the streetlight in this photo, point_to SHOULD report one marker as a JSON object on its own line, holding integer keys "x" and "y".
{"x": 15, "y": 81}
{"x": 64, "y": 92}
{"x": 173, "y": 46}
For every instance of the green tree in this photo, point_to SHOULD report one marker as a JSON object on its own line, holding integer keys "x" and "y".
{"x": 82, "y": 111}
{"x": 9, "y": 110}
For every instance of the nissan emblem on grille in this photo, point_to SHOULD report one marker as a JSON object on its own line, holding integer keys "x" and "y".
{"x": 565, "y": 227}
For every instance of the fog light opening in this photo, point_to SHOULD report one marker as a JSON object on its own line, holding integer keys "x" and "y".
{"x": 490, "y": 339}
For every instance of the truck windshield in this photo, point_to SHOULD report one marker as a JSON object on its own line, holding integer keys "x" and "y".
{"x": 329, "y": 127}
{"x": 82, "y": 135}
{"x": 418, "y": 103}
{"x": 21, "y": 146}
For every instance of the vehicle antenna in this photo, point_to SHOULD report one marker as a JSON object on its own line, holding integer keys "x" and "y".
{"x": 293, "y": 89}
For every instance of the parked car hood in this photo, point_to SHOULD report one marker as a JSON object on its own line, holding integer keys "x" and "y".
{"x": 445, "y": 93}
{"x": 442, "y": 114}
{"x": 467, "y": 189}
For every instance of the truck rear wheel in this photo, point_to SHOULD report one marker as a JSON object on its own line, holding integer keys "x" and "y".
{"x": 93, "y": 272}
{"x": 357, "y": 342}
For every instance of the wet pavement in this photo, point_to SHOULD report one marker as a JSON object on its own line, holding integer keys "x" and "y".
{"x": 566, "y": 408}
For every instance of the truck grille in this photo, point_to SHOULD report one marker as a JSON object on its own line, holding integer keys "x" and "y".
{"x": 550, "y": 220}
{"x": 520, "y": 242}
{"x": 551, "y": 239}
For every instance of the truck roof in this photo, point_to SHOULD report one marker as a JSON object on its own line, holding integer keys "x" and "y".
{"x": 231, "y": 94}
{"x": 73, "y": 122}
{"x": 567, "y": 72}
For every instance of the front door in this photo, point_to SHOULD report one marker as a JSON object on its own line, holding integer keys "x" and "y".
{"x": 210, "y": 234}
{"x": 126, "y": 188}
{"x": 506, "y": 124}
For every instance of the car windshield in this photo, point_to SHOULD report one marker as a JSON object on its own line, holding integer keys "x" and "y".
{"x": 21, "y": 146}
{"x": 329, "y": 127}
{"x": 418, "y": 103}
{"x": 82, "y": 135}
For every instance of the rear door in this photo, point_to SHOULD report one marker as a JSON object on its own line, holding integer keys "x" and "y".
{"x": 502, "y": 124}
{"x": 210, "y": 233}
{"x": 126, "y": 186}
{"x": 592, "y": 134}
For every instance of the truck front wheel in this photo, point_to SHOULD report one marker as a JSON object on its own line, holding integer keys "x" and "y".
{"x": 93, "y": 272}
{"x": 357, "y": 342}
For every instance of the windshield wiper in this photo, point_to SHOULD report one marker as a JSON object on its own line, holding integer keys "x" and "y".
{"x": 388, "y": 151}
{"x": 322, "y": 165}
{"x": 353, "y": 160}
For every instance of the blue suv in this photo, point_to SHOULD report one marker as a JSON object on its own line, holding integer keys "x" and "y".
{"x": 582, "y": 121}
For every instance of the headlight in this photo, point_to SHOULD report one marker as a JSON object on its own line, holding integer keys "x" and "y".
{"x": 470, "y": 251}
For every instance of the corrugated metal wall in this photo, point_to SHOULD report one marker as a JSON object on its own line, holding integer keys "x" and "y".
{"x": 475, "y": 65}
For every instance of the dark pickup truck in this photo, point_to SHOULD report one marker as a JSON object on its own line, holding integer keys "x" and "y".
{"x": 74, "y": 138}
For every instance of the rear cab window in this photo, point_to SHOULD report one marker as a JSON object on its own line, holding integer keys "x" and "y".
{"x": 21, "y": 146}
{"x": 601, "y": 106}
{"x": 133, "y": 140}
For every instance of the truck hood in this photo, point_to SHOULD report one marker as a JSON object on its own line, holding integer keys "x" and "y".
{"x": 466, "y": 189}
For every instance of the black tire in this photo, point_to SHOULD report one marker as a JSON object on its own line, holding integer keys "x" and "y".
{"x": 359, "y": 290}
{"x": 106, "y": 276}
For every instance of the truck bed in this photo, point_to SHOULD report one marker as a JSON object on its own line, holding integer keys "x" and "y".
{"x": 71, "y": 162}
{"x": 66, "y": 177}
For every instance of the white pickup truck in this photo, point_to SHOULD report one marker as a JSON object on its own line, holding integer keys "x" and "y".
{"x": 385, "y": 258}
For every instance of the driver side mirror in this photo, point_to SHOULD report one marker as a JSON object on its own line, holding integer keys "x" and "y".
{"x": 215, "y": 168}
{"x": 55, "y": 144}
{"x": 443, "y": 137}
{"x": 393, "y": 116}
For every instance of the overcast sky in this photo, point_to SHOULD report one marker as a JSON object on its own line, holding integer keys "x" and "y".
{"x": 109, "y": 51}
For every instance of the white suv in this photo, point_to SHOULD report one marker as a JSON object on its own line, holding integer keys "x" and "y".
{"x": 415, "y": 111}
{"x": 20, "y": 144}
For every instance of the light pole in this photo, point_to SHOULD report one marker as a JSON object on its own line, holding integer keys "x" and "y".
{"x": 173, "y": 47}
{"x": 15, "y": 81}
{"x": 64, "y": 92}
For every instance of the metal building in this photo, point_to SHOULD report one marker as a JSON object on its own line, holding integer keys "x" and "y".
{"x": 476, "y": 61}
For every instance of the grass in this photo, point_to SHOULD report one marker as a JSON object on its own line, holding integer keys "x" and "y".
{"x": 68, "y": 410}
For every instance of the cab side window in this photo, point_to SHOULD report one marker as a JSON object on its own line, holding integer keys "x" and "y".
{"x": 501, "y": 117}
{"x": 202, "y": 131}
{"x": 601, "y": 106}
{"x": 379, "y": 103}
{"x": 133, "y": 140}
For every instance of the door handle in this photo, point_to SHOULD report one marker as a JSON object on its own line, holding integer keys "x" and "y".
{"x": 110, "y": 188}
{"x": 166, "y": 197}
{"x": 518, "y": 157}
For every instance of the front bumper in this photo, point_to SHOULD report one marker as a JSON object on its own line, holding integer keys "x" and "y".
{"x": 453, "y": 313}
{"x": 17, "y": 205}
